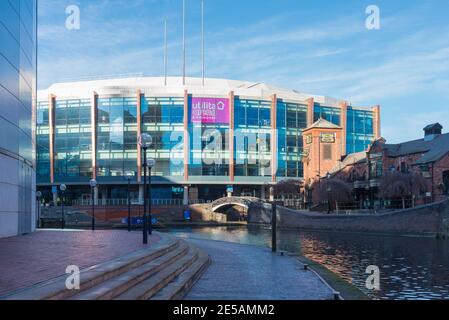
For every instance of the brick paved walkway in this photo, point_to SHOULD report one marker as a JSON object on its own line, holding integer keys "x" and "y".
{"x": 43, "y": 255}
{"x": 242, "y": 272}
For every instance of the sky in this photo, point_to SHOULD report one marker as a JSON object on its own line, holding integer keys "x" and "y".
{"x": 319, "y": 47}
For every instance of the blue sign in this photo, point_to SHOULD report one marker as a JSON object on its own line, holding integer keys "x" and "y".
{"x": 54, "y": 189}
{"x": 187, "y": 215}
{"x": 138, "y": 221}
{"x": 230, "y": 189}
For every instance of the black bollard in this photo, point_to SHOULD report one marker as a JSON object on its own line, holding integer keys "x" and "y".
{"x": 273, "y": 227}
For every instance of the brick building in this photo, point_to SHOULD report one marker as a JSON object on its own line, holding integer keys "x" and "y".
{"x": 426, "y": 158}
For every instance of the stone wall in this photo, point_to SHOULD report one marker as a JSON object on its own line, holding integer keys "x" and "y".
{"x": 430, "y": 219}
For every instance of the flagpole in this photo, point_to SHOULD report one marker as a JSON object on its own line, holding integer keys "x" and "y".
{"x": 165, "y": 51}
{"x": 183, "y": 42}
{"x": 202, "y": 36}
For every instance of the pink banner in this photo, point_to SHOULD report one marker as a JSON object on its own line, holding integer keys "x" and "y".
{"x": 210, "y": 110}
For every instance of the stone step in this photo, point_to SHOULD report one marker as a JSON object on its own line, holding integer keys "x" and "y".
{"x": 55, "y": 289}
{"x": 152, "y": 285}
{"x": 113, "y": 287}
{"x": 180, "y": 286}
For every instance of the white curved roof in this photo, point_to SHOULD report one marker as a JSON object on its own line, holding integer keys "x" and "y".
{"x": 155, "y": 86}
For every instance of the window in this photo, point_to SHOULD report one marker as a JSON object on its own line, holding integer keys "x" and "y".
{"x": 446, "y": 182}
{"x": 327, "y": 152}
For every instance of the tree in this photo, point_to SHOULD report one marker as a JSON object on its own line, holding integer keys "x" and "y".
{"x": 398, "y": 185}
{"x": 290, "y": 186}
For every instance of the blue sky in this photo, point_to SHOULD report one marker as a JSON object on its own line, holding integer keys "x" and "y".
{"x": 320, "y": 47}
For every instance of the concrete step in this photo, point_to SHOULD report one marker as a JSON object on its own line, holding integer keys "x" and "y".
{"x": 55, "y": 289}
{"x": 180, "y": 286}
{"x": 152, "y": 285}
{"x": 113, "y": 287}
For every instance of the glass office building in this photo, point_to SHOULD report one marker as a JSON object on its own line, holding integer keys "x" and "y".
{"x": 208, "y": 141}
{"x": 17, "y": 96}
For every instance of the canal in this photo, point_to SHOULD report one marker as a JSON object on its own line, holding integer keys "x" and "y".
{"x": 411, "y": 267}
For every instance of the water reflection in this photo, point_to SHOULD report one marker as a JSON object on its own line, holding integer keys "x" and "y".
{"x": 411, "y": 267}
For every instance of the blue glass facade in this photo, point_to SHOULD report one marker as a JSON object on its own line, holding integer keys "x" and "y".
{"x": 252, "y": 122}
{"x": 163, "y": 119}
{"x": 291, "y": 120}
{"x": 360, "y": 130}
{"x": 116, "y": 137}
{"x": 206, "y": 157}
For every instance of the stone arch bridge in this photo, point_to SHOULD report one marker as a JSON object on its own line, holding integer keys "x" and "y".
{"x": 258, "y": 211}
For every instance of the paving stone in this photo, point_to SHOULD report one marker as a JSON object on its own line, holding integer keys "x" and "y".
{"x": 43, "y": 255}
{"x": 242, "y": 272}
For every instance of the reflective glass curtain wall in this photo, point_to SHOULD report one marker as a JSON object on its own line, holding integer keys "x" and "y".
{"x": 163, "y": 119}
{"x": 42, "y": 143}
{"x": 360, "y": 130}
{"x": 73, "y": 145}
{"x": 116, "y": 137}
{"x": 291, "y": 120}
{"x": 17, "y": 92}
{"x": 252, "y": 122}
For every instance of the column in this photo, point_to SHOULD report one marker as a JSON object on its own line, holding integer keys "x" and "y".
{"x": 310, "y": 110}
{"x": 231, "y": 137}
{"x": 274, "y": 149}
{"x": 186, "y": 136}
{"x": 93, "y": 117}
{"x": 263, "y": 195}
{"x": 185, "y": 200}
{"x": 51, "y": 121}
{"x": 141, "y": 193}
{"x": 343, "y": 124}
{"x": 139, "y": 132}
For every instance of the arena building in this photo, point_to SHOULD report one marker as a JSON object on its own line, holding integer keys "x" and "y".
{"x": 223, "y": 137}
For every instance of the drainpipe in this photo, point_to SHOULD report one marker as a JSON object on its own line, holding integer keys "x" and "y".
{"x": 433, "y": 189}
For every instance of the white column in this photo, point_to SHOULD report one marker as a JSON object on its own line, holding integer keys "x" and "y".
{"x": 141, "y": 194}
{"x": 186, "y": 196}
{"x": 263, "y": 195}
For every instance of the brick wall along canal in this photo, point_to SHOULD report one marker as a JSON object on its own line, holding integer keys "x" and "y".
{"x": 411, "y": 267}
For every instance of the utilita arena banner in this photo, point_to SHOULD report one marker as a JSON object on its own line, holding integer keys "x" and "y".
{"x": 210, "y": 110}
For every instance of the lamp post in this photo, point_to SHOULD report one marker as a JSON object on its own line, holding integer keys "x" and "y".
{"x": 329, "y": 190}
{"x": 93, "y": 185}
{"x": 63, "y": 188}
{"x": 129, "y": 202}
{"x": 145, "y": 141}
{"x": 151, "y": 164}
{"x": 38, "y": 209}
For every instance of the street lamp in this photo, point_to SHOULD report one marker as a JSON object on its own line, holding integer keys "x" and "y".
{"x": 63, "y": 188}
{"x": 93, "y": 185}
{"x": 38, "y": 198}
{"x": 151, "y": 164}
{"x": 145, "y": 141}
{"x": 329, "y": 190}
{"x": 129, "y": 202}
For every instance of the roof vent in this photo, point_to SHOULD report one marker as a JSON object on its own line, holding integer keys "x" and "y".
{"x": 432, "y": 130}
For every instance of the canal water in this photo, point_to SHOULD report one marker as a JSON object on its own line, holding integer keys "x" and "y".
{"x": 410, "y": 267}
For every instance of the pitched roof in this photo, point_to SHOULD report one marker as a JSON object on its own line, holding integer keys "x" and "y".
{"x": 323, "y": 124}
{"x": 350, "y": 159}
{"x": 432, "y": 150}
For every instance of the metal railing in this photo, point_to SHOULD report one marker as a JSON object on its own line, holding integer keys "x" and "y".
{"x": 134, "y": 202}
